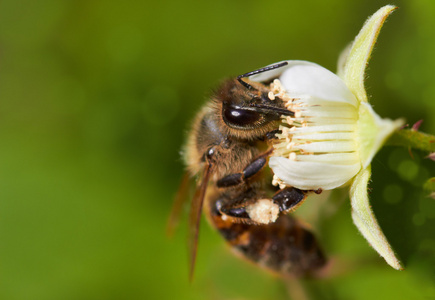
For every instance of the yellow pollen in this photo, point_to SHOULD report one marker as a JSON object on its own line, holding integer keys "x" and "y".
{"x": 271, "y": 95}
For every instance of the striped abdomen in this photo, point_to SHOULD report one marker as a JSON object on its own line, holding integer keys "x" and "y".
{"x": 285, "y": 246}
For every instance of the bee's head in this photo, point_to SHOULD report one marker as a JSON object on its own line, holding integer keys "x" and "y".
{"x": 247, "y": 105}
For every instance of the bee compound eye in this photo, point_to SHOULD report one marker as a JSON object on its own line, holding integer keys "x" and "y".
{"x": 241, "y": 118}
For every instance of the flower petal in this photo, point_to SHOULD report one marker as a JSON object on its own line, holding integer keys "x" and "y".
{"x": 309, "y": 175}
{"x": 365, "y": 220}
{"x": 359, "y": 54}
{"x": 303, "y": 78}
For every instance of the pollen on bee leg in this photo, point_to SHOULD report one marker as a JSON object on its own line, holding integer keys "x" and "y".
{"x": 263, "y": 211}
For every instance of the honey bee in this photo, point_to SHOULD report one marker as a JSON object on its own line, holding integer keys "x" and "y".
{"x": 227, "y": 150}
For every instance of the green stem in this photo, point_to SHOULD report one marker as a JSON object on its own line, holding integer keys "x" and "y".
{"x": 413, "y": 139}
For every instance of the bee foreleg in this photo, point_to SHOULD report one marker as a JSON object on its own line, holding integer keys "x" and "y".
{"x": 272, "y": 134}
{"x": 289, "y": 199}
{"x": 237, "y": 178}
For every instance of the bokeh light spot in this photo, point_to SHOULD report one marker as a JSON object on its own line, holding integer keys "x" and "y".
{"x": 393, "y": 193}
{"x": 422, "y": 175}
{"x": 418, "y": 219}
{"x": 408, "y": 169}
{"x": 396, "y": 157}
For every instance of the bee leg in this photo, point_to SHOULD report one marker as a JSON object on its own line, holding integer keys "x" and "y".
{"x": 233, "y": 203}
{"x": 247, "y": 205}
{"x": 289, "y": 199}
{"x": 230, "y": 180}
{"x": 228, "y": 210}
{"x": 238, "y": 178}
{"x": 252, "y": 211}
{"x": 252, "y": 208}
{"x": 271, "y": 135}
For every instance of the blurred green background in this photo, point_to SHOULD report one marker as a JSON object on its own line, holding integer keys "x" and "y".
{"x": 96, "y": 98}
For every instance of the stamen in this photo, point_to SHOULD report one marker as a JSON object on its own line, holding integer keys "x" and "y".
{"x": 320, "y": 131}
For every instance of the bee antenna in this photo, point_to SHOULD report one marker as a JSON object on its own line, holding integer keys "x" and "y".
{"x": 268, "y": 68}
{"x": 245, "y": 84}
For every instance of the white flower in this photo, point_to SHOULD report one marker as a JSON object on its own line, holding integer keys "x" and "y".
{"x": 335, "y": 133}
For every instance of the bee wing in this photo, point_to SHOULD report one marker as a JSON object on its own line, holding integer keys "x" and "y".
{"x": 195, "y": 218}
{"x": 180, "y": 200}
